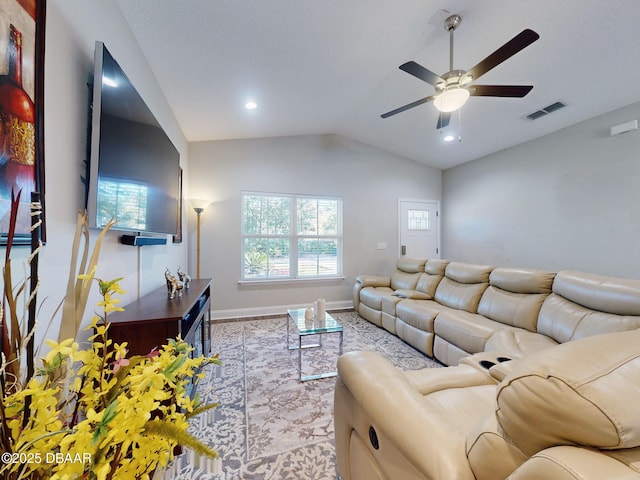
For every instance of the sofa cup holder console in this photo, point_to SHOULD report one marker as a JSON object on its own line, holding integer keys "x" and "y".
{"x": 484, "y": 360}
{"x": 486, "y": 364}
{"x": 373, "y": 438}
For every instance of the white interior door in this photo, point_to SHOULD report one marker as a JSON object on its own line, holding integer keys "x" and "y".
{"x": 419, "y": 228}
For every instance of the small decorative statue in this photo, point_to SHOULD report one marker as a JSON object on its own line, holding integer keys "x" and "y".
{"x": 184, "y": 278}
{"x": 174, "y": 286}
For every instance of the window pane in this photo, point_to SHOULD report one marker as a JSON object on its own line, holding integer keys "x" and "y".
{"x": 266, "y": 215}
{"x": 266, "y": 258}
{"x": 317, "y": 257}
{"x": 277, "y": 216}
{"x": 317, "y": 216}
{"x": 307, "y": 216}
{"x": 255, "y": 258}
{"x": 270, "y": 237}
{"x": 279, "y": 258}
{"x": 327, "y": 217}
{"x": 252, "y": 214}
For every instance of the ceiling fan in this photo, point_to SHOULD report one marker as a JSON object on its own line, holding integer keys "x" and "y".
{"x": 455, "y": 87}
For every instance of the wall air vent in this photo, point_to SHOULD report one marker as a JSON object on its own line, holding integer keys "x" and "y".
{"x": 538, "y": 114}
{"x": 554, "y": 106}
{"x": 546, "y": 110}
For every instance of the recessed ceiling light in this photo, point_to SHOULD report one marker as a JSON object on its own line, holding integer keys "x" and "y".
{"x": 449, "y": 138}
{"x": 251, "y": 105}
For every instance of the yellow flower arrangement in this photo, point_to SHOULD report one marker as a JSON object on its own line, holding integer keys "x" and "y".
{"x": 91, "y": 412}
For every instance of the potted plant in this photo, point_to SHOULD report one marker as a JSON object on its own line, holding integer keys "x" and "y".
{"x": 85, "y": 409}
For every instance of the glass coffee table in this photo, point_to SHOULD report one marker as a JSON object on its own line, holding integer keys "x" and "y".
{"x": 312, "y": 327}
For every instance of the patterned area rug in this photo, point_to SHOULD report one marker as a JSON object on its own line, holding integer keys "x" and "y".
{"x": 268, "y": 425}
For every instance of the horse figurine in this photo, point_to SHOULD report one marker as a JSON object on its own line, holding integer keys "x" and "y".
{"x": 174, "y": 286}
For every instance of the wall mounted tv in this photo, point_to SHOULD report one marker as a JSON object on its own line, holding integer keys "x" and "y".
{"x": 133, "y": 172}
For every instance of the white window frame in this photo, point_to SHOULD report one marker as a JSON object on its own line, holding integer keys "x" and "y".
{"x": 293, "y": 237}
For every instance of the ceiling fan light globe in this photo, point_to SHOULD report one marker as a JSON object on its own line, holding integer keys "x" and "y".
{"x": 451, "y": 100}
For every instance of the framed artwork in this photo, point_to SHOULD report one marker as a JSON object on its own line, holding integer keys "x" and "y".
{"x": 22, "y": 25}
{"x": 177, "y": 238}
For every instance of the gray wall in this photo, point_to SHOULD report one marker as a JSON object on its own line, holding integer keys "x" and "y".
{"x": 569, "y": 200}
{"x": 72, "y": 27}
{"x": 368, "y": 180}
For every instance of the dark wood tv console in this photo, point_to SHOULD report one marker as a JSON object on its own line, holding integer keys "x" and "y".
{"x": 149, "y": 321}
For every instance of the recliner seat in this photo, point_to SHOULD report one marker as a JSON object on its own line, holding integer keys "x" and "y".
{"x": 369, "y": 290}
{"x": 562, "y": 414}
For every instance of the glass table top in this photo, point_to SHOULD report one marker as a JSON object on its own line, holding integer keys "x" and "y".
{"x": 314, "y": 326}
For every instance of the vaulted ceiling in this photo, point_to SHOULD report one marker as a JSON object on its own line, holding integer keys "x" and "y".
{"x": 331, "y": 66}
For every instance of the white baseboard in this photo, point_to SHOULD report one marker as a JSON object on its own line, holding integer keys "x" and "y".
{"x": 272, "y": 310}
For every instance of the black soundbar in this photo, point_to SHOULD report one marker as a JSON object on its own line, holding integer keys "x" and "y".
{"x": 140, "y": 240}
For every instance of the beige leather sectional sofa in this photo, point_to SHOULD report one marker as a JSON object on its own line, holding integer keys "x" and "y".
{"x": 544, "y": 379}
{"x": 569, "y": 412}
{"x": 450, "y": 310}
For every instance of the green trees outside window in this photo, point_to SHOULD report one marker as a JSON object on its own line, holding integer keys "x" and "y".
{"x": 290, "y": 236}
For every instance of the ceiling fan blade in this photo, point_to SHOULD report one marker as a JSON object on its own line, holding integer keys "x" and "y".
{"x": 422, "y": 73}
{"x": 408, "y": 106}
{"x": 513, "y": 46}
{"x": 517, "y": 91}
{"x": 443, "y": 120}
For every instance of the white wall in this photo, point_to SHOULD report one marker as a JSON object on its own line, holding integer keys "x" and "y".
{"x": 368, "y": 180}
{"x": 72, "y": 27}
{"x": 569, "y": 200}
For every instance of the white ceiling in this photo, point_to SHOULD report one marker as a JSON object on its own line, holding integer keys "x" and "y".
{"x": 331, "y": 66}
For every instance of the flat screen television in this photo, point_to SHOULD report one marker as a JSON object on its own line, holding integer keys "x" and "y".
{"x": 134, "y": 168}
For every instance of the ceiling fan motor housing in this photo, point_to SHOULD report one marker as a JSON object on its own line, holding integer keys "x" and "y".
{"x": 453, "y": 79}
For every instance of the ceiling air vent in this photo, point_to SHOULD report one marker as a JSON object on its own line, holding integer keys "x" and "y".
{"x": 546, "y": 110}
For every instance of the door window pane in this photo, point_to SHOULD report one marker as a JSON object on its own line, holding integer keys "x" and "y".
{"x": 418, "y": 219}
